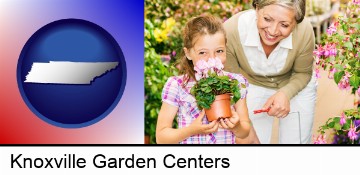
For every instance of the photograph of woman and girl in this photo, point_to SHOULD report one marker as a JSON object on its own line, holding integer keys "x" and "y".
{"x": 270, "y": 49}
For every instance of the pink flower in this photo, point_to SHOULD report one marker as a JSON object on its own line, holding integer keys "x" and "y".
{"x": 201, "y": 69}
{"x": 211, "y": 63}
{"x": 331, "y": 73}
{"x": 201, "y": 65}
{"x": 223, "y": 5}
{"x": 165, "y": 57}
{"x": 330, "y": 50}
{"x": 319, "y": 51}
{"x": 326, "y": 50}
{"x": 344, "y": 82}
{"x": 218, "y": 64}
{"x": 198, "y": 76}
{"x": 331, "y": 30}
{"x": 356, "y": 2}
{"x": 352, "y": 133}
{"x": 317, "y": 60}
{"x": 317, "y": 73}
{"x": 351, "y": 31}
{"x": 333, "y": 50}
{"x": 342, "y": 119}
{"x": 320, "y": 139}
{"x": 358, "y": 91}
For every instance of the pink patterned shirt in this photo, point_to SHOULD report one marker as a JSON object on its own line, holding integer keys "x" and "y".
{"x": 174, "y": 94}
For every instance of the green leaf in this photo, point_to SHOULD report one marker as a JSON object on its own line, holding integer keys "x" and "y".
{"x": 336, "y": 119}
{"x": 208, "y": 90}
{"x": 331, "y": 124}
{"x": 337, "y": 126}
{"x": 349, "y": 45}
{"x": 348, "y": 122}
{"x": 346, "y": 126}
{"x": 193, "y": 91}
{"x": 243, "y": 85}
{"x": 153, "y": 113}
{"x": 357, "y": 26}
{"x": 338, "y": 76}
{"x": 325, "y": 127}
{"x": 354, "y": 81}
{"x": 339, "y": 67}
{"x": 224, "y": 78}
{"x": 357, "y": 116}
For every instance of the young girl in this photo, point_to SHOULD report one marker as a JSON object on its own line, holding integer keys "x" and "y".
{"x": 204, "y": 38}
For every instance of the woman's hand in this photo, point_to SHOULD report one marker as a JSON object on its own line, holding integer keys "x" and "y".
{"x": 197, "y": 127}
{"x": 230, "y": 123}
{"x": 279, "y": 104}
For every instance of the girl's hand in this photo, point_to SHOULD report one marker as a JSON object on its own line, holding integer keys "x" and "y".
{"x": 230, "y": 123}
{"x": 199, "y": 128}
{"x": 280, "y": 105}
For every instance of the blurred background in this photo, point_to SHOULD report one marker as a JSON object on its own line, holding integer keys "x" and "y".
{"x": 164, "y": 20}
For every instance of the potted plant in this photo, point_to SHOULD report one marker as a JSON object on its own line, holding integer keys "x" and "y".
{"x": 339, "y": 53}
{"x": 214, "y": 91}
{"x": 345, "y": 127}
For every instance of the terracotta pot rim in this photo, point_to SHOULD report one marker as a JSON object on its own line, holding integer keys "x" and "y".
{"x": 222, "y": 97}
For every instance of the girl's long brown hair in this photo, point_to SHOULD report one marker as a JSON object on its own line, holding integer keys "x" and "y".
{"x": 196, "y": 27}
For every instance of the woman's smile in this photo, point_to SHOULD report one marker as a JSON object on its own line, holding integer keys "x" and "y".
{"x": 270, "y": 37}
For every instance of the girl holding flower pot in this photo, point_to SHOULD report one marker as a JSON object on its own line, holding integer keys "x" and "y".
{"x": 272, "y": 46}
{"x": 204, "y": 39}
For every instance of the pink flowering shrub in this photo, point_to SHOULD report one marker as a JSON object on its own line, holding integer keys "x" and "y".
{"x": 339, "y": 54}
{"x": 346, "y": 128}
{"x": 340, "y": 51}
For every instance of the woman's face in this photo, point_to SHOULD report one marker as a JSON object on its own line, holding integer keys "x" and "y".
{"x": 207, "y": 46}
{"x": 275, "y": 23}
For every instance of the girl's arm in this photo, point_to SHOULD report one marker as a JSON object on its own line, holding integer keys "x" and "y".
{"x": 166, "y": 134}
{"x": 243, "y": 128}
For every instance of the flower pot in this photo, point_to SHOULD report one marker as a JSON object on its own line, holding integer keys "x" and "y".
{"x": 220, "y": 108}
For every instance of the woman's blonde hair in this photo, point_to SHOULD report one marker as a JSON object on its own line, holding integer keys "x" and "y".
{"x": 297, "y": 5}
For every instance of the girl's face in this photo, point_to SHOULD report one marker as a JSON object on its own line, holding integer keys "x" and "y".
{"x": 274, "y": 23}
{"x": 207, "y": 46}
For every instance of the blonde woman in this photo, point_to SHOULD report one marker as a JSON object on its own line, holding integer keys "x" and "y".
{"x": 272, "y": 46}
